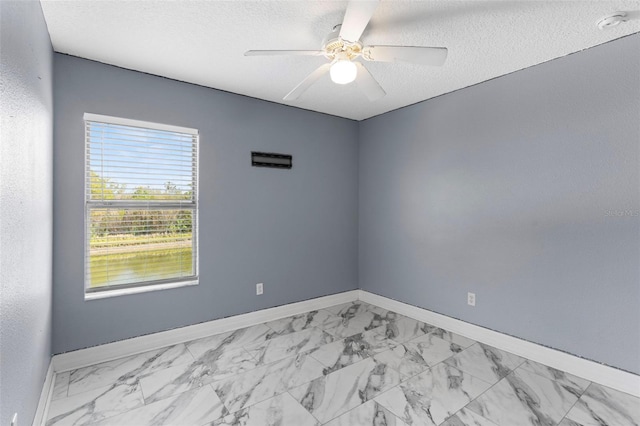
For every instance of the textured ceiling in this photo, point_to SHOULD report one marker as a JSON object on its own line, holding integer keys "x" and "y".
{"x": 203, "y": 42}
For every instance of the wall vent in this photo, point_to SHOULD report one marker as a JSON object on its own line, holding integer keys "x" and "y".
{"x": 270, "y": 159}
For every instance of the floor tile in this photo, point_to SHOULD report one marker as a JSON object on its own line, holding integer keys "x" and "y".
{"x": 347, "y": 329}
{"x": 376, "y": 341}
{"x": 433, "y": 349}
{"x": 567, "y": 422}
{"x": 403, "y": 360}
{"x": 245, "y": 337}
{"x": 341, "y": 353}
{"x": 359, "y": 317}
{"x": 321, "y": 319}
{"x": 467, "y": 418}
{"x": 335, "y": 394}
{"x": 571, "y": 383}
{"x": 431, "y": 397}
{"x": 207, "y": 369}
{"x": 123, "y": 369}
{"x": 337, "y": 309}
{"x": 281, "y": 347}
{"x": 368, "y": 414}
{"x": 350, "y": 350}
{"x": 87, "y": 408}
{"x": 524, "y": 398}
{"x": 61, "y": 386}
{"x": 404, "y": 328}
{"x": 417, "y": 355}
{"x": 360, "y": 322}
{"x": 485, "y": 362}
{"x": 353, "y": 364}
{"x": 602, "y": 406}
{"x": 193, "y": 408}
{"x": 267, "y": 381}
{"x": 452, "y": 337}
{"x": 281, "y": 410}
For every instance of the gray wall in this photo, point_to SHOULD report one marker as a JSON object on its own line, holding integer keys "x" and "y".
{"x": 26, "y": 149}
{"x": 294, "y": 230}
{"x": 505, "y": 189}
{"x": 516, "y": 189}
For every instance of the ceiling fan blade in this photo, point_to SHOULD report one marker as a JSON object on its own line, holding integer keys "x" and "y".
{"x": 307, "y": 82}
{"x": 368, "y": 84}
{"x": 358, "y": 14}
{"x": 414, "y": 54}
{"x": 283, "y": 52}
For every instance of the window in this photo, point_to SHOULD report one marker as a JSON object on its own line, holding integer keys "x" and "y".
{"x": 141, "y": 205}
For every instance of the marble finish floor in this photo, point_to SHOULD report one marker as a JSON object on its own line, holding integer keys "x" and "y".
{"x": 348, "y": 365}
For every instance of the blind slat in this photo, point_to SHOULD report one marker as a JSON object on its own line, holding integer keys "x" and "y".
{"x": 137, "y": 124}
{"x": 118, "y": 133}
{"x": 170, "y": 145}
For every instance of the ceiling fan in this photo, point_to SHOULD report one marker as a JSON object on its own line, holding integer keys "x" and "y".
{"x": 342, "y": 46}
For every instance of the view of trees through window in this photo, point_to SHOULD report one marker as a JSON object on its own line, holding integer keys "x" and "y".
{"x": 141, "y": 222}
{"x": 129, "y": 244}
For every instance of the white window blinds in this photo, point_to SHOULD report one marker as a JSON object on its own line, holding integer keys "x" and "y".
{"x": 141, "y": 202}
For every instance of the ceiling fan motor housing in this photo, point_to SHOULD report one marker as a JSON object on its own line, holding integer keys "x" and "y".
{"x": 335, "y": 47}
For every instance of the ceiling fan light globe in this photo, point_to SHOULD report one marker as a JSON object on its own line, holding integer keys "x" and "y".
{"x": 343, "y": 72}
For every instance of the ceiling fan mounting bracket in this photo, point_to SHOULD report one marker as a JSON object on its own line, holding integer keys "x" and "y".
{"x": 334, "y": 46}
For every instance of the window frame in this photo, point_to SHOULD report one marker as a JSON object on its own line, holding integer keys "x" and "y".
{"x": 89, "y": 204}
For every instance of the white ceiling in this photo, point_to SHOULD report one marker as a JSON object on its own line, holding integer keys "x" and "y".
{"x": 203, "y": 42}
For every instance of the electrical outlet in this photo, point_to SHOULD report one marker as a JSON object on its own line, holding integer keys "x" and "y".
{"x": 14, "y": 419}
{"x": 471, "y": 299}
{"x": 259, "y": 288}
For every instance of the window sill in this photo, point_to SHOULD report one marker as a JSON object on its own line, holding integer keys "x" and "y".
{"x": 135, "y": 290}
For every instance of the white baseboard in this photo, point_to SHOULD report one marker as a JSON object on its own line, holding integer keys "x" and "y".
{"x": 45, "y": 396}
{"x": 109, "y": 351}
{"x": 590, "y": 370}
